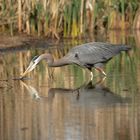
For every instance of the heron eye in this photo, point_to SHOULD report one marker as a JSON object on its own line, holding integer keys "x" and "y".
{"x": 35, "y": 58}
{"x": 76, "y": 55}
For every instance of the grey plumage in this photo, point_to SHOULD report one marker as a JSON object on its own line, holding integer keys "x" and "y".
{"x": 87, "y": 55}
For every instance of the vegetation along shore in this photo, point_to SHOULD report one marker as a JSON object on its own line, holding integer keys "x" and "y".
{"x": 67, "y": 18}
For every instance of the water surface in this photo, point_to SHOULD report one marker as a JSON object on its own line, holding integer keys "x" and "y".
{"x": 62, "y": 104}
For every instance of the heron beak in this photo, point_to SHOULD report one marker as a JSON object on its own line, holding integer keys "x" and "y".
{"x": 29, "y": 68}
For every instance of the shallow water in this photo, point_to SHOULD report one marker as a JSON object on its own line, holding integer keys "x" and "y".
{"x": 61, "y": 103}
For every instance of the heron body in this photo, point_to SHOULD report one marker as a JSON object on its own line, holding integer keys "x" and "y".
{"x": 88, "y": 55}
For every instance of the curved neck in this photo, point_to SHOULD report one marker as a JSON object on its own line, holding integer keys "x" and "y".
{"x": 51, "y": 62}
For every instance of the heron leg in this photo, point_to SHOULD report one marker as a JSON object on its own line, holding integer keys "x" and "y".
{"x": 100, "y": 70}
{"x": 99, "y": 67}
{"x": 91, "y": 75}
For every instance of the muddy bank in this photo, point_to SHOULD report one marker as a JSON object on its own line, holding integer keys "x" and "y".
{"x": 24, "y": 42}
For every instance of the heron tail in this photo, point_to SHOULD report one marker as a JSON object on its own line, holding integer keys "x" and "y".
{"x": 125, "y": 48}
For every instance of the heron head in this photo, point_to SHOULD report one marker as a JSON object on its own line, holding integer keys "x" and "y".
{"x": 32, "y": 65}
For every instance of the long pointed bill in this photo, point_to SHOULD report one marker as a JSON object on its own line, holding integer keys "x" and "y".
{"x": 29, "y": 68}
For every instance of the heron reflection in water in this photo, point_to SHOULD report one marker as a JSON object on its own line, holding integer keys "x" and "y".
{"x": 94, "y": 54}
{"x": 88, "y": 94}
{"x": 91, "y": 95}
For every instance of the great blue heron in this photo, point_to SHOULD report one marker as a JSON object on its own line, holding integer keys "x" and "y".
{"x": 88, "y": 55}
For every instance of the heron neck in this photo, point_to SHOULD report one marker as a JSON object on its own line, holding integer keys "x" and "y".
{"x": 51, "y": 62}
{"x": 57, "y": 63}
